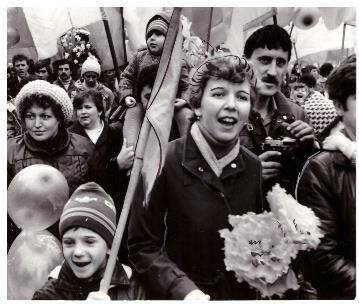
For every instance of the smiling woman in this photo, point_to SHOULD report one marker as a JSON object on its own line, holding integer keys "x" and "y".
{"x": 45, "y": 109}
{"x": 111, "y": 158}
{"x": 174, "y": 241}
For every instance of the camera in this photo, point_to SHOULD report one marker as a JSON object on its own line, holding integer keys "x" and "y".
{"x": 282, "y": 145}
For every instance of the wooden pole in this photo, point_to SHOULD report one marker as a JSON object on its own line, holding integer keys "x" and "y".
{"x": 140, "y": 148}
{"x": 209, "y": 29}
{"x": 343, "y": 39}
{"x": 123, "y": 36}
{"x": 110, "y": 42}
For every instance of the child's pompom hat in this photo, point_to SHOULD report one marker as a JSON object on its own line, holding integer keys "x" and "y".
{"x": 92, "y": 208}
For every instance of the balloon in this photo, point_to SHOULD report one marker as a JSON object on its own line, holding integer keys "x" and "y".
{"x": 36, "y": 197}
{"x": 13, "y": 36}
{"x": 306, "y": 17}
{"x": 32, "y": 256}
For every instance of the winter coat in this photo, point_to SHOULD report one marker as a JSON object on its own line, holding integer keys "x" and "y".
{"x": 14, "y": 85}
{"x": 145, "y": 65}
{"x": 107, "y": 94}
{"x": 174, "y": 243}
{"x": 66, "y": 286}
{"x": 254, "y": 135}
{"x": 71, "y": 90}
{"x": 69, "y": 153}
{"x": 103, "y": 161}
{"x": 327, "y": 186}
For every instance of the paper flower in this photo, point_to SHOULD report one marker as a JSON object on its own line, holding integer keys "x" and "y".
{"x": 75, "y": 42}
{"x": 261, "y": 247}
{"x": 299, "y": 222}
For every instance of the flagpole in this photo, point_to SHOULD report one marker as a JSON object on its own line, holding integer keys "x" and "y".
{"x": 140, "y": 148}
{"x": 110, "y": 42}
{"x": 123, "y": 36}
{"x": 209, "y": 29}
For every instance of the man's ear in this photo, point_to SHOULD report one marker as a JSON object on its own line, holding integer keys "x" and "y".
{"x": 339, "y": 108}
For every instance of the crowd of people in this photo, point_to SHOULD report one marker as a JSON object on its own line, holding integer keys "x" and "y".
{"x": 240, "y": 126}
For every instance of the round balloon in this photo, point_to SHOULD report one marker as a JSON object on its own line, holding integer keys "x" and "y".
{"x": 36, "y": 197}
{"x": 32, "y": 256}
{"x": 13, "y": 36}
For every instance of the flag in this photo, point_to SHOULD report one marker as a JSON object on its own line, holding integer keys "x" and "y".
{"x": 40, "y": 29}
{"x": 159, "y": 112}
{"x": 154, "y": 134}
{"x": 48, "y": 24}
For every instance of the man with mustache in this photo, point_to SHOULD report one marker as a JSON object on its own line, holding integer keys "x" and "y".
{"x": 63, "y": 68}
{"x": 269, "y": 50}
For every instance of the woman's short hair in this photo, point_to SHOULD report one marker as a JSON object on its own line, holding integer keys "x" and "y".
{"x": 93, "y": 95}
{"x": 341, "y": 82}
{"x": 42, "y": 101}
{"x": 229, "y": 67}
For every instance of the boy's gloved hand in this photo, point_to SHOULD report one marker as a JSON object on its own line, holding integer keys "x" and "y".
{"x": 126, "y": 156}
{"x": 197, "y": 295}
{"x": 98, "y": 296}
{"x": 130, "y": 101}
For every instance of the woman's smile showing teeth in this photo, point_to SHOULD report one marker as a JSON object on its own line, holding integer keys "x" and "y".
{"x": 228, "y": 120}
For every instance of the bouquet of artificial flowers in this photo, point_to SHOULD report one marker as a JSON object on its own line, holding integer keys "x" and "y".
{"x": 76, "y": 45}
{"x": 260, "y": 247}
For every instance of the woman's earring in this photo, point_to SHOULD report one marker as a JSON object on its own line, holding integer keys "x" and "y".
{"x": 198, "y": 117}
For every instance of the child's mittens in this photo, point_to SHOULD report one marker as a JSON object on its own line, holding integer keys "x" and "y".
{"x": 130, "y": 101}
{"x": 98, "y": 296}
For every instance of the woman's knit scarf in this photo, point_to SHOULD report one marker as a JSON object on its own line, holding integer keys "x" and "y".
{"x": 216, "y": 165}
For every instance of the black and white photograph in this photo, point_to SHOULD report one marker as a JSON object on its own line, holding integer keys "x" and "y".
{"x": 180, "y": 151}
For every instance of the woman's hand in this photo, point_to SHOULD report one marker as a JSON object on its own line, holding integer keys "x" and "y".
{"x": 126, "y": 156}
{"x": 98, "y": 296}
{"x": 197, "y": 295}
{"x": 339, "y": 142}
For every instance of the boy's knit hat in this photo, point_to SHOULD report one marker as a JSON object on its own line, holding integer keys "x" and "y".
{"x": 91, "y": 64}
{"x": 158, "y": 22}
{"x": 43, "y": 87}
{"x": 92, "y": 208}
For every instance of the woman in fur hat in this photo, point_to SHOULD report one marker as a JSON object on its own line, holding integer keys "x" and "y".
{"x": 44, "y": 110}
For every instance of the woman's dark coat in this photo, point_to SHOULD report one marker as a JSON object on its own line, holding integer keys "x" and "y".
{"x": 174, "y": 242}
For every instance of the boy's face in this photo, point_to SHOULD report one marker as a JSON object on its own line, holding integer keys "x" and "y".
{"x": 155, "y": 42}
{"x": 85, "y": 251}
{"x": 300, "y": 92}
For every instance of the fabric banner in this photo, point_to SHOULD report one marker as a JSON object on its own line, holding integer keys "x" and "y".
{"x": 159, "y": 112}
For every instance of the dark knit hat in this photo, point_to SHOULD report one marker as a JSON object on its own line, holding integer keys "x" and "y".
{"x": 158, "y": 22}
{"x": 92, "y": 208}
